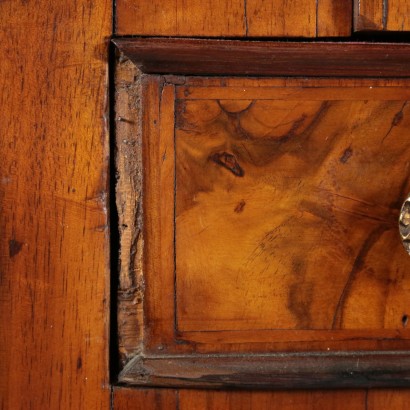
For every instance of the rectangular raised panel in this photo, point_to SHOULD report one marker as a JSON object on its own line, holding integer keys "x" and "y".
{"x": 287, "y": 207}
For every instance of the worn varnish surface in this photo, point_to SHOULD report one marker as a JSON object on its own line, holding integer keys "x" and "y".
{"x": 54, "y": 282}
{"x": 287, "y": 207}
{"x": 235, "y": 18}
{"x": 376, "y": 15}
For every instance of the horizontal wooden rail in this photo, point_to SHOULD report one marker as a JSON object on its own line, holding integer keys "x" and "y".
{"x": 298, "y": 370}
{"x": 268, "y": 58}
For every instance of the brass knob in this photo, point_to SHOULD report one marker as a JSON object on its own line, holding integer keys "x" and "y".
{"x": 404, "y": 224}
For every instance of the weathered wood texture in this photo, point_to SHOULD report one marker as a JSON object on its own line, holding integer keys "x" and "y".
{"x": 128, "y": 201}
{"x": 54, "y": 282}
{"x": 257, "y": 58}
{"x": 235, "y": 18}
{"x": 143, "y": 399}
{"x": 377, "y": 15}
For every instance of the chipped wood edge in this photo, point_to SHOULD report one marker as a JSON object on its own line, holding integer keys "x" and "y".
{"x": 284, "y": 371}
{"x": 128, "y": 159}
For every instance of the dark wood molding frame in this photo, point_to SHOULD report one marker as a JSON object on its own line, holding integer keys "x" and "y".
{"x": 339, "y": 369}
{"x": 284, "y": 371}
{"x": 267, "y": 58}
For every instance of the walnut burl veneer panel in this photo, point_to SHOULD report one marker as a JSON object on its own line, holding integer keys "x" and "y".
{"x": 286, "y": 208}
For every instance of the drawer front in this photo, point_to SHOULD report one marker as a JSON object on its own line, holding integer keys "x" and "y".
{"x": 273, "y": 255}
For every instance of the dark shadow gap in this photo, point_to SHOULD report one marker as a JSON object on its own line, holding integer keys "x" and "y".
{"x": 114, "y": 229}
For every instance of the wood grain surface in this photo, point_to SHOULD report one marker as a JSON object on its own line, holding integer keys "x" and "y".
{"x": 234, "y": 18}
{"x": 381, "y": 15}
{"x": 397, "y": 15}
{"x": 267, "y": 58}
{"x": 144, "y": 399}
{"x": 287, "y": 205}
{"x": 280, "y": 400}
{"x": 355, "y": 399}
{"x": 54, "y": 282}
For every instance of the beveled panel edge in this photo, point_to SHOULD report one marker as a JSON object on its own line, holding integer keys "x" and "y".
{"x": 154, "y": 55}
{"x": 267, "y": 371}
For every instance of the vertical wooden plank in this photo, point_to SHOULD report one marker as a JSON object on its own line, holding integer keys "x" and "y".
{"x": 334, "y": 18}
{"x": 397, "y": 15}
{"x": 281, "y": 18}
{"x": 278, "y": 400}
{"x": 181, "y": 17}
{"x": 147, "y": 399}
{"x": 54, "y": 282}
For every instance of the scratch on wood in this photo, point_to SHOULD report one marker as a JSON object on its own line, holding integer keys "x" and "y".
{"x": 397, "y": 119}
